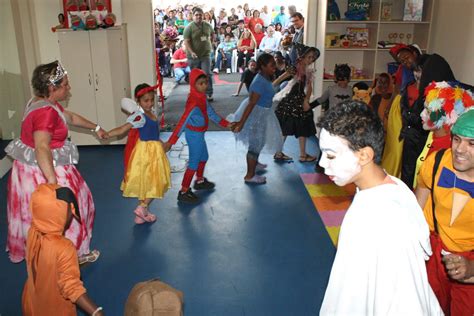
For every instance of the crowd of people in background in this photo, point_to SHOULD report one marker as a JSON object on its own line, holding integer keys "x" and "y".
{"x": 240, "y": 34}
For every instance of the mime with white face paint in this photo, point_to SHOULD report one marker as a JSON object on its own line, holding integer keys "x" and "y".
{"x": 379, "y": 268}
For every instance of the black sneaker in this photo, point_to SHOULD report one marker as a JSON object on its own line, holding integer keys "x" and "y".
{"x": 203, "y": 185}
{"x": 188, "y": 197}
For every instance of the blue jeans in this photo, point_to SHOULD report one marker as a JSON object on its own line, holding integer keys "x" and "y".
{"x": 180, "y": 73}
{"x": 203, "y": 63}
{"x": 228, "y": 56}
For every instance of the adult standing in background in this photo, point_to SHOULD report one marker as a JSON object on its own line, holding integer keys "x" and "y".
{"x": 266, "y": 16}
{"x": 198, "y": 37}
{"x": 297, "y": 20}
{"x": 281, "y": 17}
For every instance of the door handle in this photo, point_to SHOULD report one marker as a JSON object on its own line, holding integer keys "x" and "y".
{"x": 96, "y": 80}
{"x": 90, "y": 80}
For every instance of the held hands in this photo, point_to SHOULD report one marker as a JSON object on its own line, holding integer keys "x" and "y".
{"x": 236, "y": 126}
{"x": 459, "y": 268}
{"x": 102, "y": 134}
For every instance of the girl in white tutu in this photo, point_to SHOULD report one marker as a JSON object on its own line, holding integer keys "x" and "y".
{"x": 256, "y": 124}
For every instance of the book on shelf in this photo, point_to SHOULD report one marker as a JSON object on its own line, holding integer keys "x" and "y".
{"x": 413, "y": 10}
{"x": 358, "y": 36}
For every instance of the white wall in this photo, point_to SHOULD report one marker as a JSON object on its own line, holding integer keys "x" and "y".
{"x": 138, "y": 15}
{"x": 452, "y": 36}
{"x": 46, "y": 16}
{"x": 8, "y": 49}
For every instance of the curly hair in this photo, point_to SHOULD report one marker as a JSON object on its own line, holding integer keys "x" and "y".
{"x": 40, "y": 78}
{"x": 358, "y": 124}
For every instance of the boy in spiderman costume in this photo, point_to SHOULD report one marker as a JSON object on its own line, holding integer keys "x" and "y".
{"x": 194, "y": 122}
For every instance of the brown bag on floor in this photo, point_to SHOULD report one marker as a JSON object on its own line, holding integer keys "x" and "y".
{"x": 154, "y": 298}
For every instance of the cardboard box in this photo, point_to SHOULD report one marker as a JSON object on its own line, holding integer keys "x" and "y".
{"x": 358, "y": 36}
{"x": 331, "y": 40}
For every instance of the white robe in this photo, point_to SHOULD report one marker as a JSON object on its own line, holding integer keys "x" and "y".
{"x": 379, "y": 267}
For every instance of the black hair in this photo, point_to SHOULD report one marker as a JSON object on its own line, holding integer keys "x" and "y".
{"x": 140, "y": 87}
{"x": 342, "y": 72}
{"x": 361, "y": 85}
{"x": 297, "y": 15}
{"x": 40, "y": 78}
{"x": 263, "y": 60}
{"x": 197, "y": 9}
{"x": 358, "y": 124}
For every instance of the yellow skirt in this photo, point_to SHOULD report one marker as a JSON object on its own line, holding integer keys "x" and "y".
{"x": 148, "y": 175}
{"x": 392, "y": 154}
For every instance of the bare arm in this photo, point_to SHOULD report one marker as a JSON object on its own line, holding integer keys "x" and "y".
{"x": 79, "y": 121}
{"x": 422, "y": 195}
{"x": 238, "y": 89}
{"x": 44, "y": 156}
{"x": 88, "y": 305}
{"x": 283, "y": 77}
{"x": 187, "y": 43}
{"x": 309, "y": 92}
{"x": 120, "y": 130}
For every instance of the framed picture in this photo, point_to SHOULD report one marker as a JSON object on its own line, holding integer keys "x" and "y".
{"x": 413, "y": 10}
{"x": 358, "y": 36}
{"x": 386, "y": 13}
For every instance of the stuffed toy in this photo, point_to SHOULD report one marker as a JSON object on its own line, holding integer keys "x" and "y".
{"x": 72, "y": 5}
{"x": 361, "y": 92}
{"x": 77, "y": 23}
{"x": 333, "y": 13}
{"x": 109, "y": 20}
{"x": 99, "y": 5}
{"x": 91, "y": 22}
{"x": 83, "y": 6}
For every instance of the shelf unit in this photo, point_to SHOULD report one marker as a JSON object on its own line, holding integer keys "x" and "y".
{"x": 373, "y": 60}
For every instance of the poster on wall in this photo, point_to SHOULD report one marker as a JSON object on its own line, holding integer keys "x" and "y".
{"x": 413, "y": 10}
{"x": 82, "y": 14}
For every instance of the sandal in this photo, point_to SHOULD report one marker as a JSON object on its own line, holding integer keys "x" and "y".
{"x": 256, "y": 179}
{"x": 142, "y": 215}
{"x": 260, "y": 167}
{"x": 90, "y": 257}
{"x": 307, "y": 158}
{"x": 282, "y": 157}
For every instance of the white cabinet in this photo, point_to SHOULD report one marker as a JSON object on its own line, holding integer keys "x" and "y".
{"x": 98, "y": 71}
{"x": 372, "y": 59}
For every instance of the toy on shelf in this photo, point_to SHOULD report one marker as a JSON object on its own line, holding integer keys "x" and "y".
{"x": 61, "y": 24}
{"x": 358, "y": 36}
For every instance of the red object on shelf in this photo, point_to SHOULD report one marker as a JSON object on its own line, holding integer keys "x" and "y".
{"x": 71, "y": 5}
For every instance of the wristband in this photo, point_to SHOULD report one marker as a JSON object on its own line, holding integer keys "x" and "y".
{"x": 96, "y": 129}
{"x": 97, "y": 310}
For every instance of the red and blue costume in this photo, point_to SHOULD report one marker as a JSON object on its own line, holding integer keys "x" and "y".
{"x": 194, "y": 122}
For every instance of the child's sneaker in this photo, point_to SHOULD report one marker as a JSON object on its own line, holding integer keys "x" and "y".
{"x": 215, "y": 70}
{"x": 241, "y": 70}
{"x": 227, "y": 71}
{"x": 188, "y": 196}
{"x": 203, "y": 184}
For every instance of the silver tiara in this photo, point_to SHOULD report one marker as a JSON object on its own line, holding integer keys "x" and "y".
{"x": 57, "y": 75}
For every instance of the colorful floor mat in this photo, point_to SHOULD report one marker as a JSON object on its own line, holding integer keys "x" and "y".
{"x": 330, "y": 200}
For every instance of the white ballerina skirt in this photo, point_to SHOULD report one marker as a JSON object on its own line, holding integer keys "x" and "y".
{"x": 261, "y": 132}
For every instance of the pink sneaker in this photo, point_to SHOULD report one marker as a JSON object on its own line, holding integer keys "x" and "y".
{"x": 143, "y": 215}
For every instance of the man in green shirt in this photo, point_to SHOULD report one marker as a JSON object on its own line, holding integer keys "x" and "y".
{"x": 198, "y": 37}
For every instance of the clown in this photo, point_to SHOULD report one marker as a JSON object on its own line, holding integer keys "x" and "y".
{"x": 377, "y": 269}
{"x": 444, "y": 103}
{"x": 445, "y": 191}
{"x": 194, "y": 122}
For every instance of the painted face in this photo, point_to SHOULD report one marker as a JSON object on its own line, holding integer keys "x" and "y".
{"x": 147, "y": 101}
{"x": 201, "y": 84}
{"x": 463, "y": 153}
{"x": 425, "y": 118}
{"x": 339, "y": 162}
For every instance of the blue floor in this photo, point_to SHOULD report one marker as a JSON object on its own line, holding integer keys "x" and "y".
{"x": 245, "y": 250}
